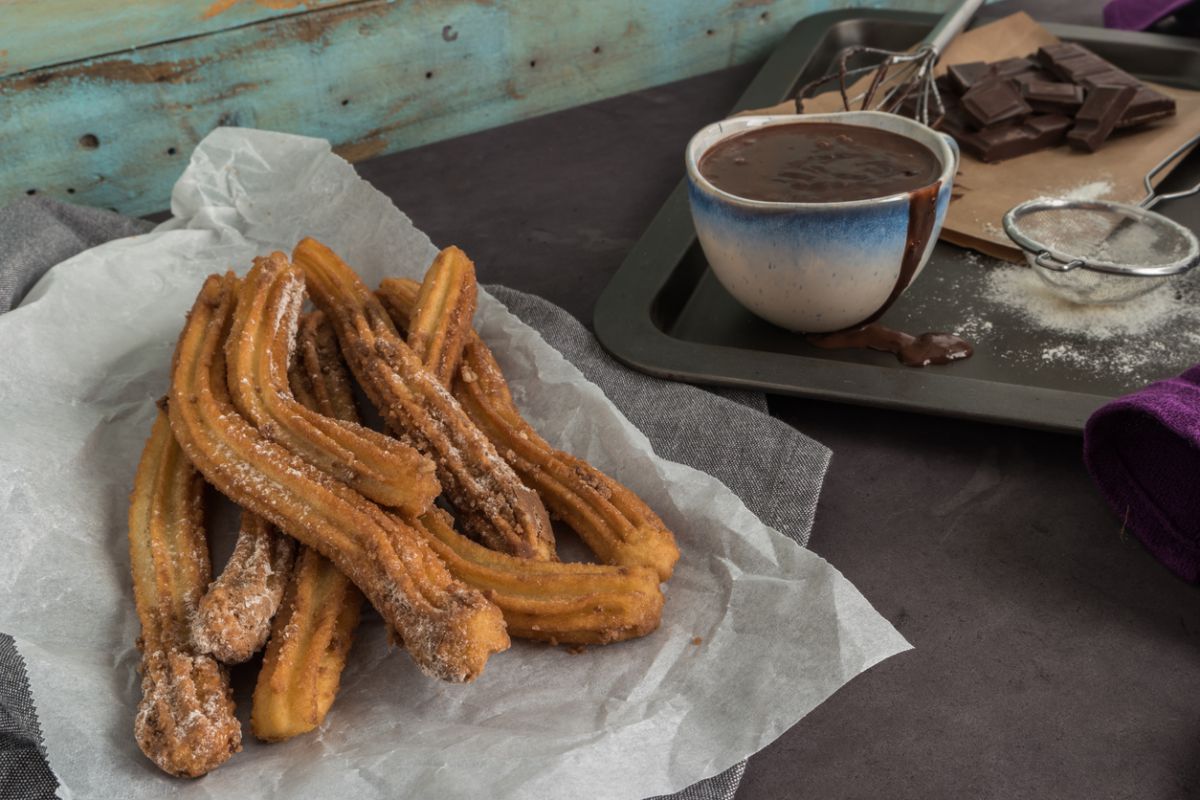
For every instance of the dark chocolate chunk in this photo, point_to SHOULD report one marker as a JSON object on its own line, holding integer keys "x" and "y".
{"x": 1109, "y": 77}
{"x": 1071, "y": 62}
{"x": 1025, "y": 78}
{"x": 1050, "y": 128}
{"x": 992, "y": 101}
{"x": 1098, "y": 116}
{"x": 1011, "y": 67}
{"x": 1052, "y": 52}
{"x": 1001, "y": 142}
{"x": 1018, "y": 105}
{"x": 1052, "y": 97}
{"x": 1080, "y": 65}
{"x": 964, "y": 76}
{"x": 1148, "y": 104}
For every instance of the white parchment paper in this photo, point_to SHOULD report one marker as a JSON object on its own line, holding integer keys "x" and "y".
{"x": 81, "y": 362}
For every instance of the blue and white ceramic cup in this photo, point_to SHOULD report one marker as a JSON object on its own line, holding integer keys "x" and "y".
{"x": 813, "y": 267}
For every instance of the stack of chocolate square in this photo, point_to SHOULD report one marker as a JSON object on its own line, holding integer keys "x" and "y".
{"x": 1003, "y": 109}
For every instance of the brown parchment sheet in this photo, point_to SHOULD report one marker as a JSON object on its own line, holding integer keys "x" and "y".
{"x": 984, "y": 192}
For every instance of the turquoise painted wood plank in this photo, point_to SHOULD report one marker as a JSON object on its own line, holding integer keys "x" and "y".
{"x": 39, "y": 33}
{"x": 372, "y": 77}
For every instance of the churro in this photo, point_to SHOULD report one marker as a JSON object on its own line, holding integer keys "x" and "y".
{"x": 492, "y": 502}
{"x": 233, "y": 618}
{"x": 449, "y": 629}
{"x": 613, "y": 521}
{"x": 377, "y": 466}
{"x": 185, "y": 722}
{"x": 552, "y": 601}
{"x": 444, "y": 310}
{"x": 313, "y": 631}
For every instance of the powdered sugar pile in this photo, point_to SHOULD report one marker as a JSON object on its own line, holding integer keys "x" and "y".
{"x": 1092, "y": 190}
{"x": 1009, "y": 311}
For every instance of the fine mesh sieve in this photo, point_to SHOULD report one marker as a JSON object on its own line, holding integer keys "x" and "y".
{"x": 1095, "y": 251}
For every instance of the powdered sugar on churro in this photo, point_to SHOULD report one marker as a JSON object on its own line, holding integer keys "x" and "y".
{"x": 234, "y": 618}
{"x": 185, "y": 721}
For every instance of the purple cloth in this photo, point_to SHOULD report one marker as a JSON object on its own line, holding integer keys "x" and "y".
{"x": 1138, "y": 15}
{"x": 1143, "y": 451}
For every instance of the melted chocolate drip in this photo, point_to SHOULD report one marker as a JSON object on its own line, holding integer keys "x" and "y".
{"x": 912, "y": 351}
{"x": 922, "y": 213}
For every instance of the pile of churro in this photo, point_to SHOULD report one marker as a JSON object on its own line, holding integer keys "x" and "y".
{"x": 442, "y": 523}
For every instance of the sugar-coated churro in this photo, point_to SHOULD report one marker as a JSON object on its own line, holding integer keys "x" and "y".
{"x": 613, "y": 521}
{"x": 233, "y": 618}
{"x": 492, "y": 502}
{"x": 377, "y": 466}
{"x": 553, "y": 601}
{"x": 185, "y": 722}
{"x": 313, "y": 631}
{"x": 449, "y": 629}
{"x": 442, "y": 318}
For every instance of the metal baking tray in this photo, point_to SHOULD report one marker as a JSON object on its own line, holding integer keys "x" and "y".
{"x": 664, "y": 312}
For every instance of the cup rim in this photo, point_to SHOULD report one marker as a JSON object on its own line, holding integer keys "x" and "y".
{"x": 852, "y": 118}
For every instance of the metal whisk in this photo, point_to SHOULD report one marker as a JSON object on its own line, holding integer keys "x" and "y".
{"x": 898, "y": 82}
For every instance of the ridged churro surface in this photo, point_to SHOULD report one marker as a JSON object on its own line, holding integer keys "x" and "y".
{"x": 449, "y": 629}
{"x": 613, "y": 521}
{"x": 185, "y": 722}
{"x": 492, "y": 502}
{"x": 314, "y": 629}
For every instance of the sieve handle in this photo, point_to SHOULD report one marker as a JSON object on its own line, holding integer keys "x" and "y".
{"x": 1047, "y": 261}
{"x": 1152, "y": 198}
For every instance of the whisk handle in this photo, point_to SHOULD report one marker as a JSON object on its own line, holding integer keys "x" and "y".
{"x": 952, "y": 23}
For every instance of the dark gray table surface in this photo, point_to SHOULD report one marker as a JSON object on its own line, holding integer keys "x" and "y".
{"x": 1054, "y": 657}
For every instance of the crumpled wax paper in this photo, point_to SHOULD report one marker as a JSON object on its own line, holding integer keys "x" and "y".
{"x": 83, "y": 360}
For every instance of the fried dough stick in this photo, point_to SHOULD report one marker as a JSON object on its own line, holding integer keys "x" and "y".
{"x": 442, "y": 319}
{"x": 553, "y": 601}
{"x": 234, "y": 616}
{"x": 613, "y": 521}
{"x": 549, "y": 601}
{"x": 492, "y": 502}
{"x": 313, "y": 631}
{"x": 560, "y": 603}
{"x": 374, "y": 464}
{"x": 185, "y": 721}
{"x": 449, "y": 629}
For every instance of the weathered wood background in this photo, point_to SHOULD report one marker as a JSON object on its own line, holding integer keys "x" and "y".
{"x": 102, "y": 100}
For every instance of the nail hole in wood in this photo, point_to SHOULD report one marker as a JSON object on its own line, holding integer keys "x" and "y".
{"x": 345, "y": 102}
{"x": 31, "y": 192}
{"x": 171, "y": 151}
{"x": 596, "y": 49}
{"x": 428, "y": 75}
{"x": 533, "y": 64}
{"x": 89, "y": 141}
{"x": 766, "y": 15}
{"x": 70, "y": 191}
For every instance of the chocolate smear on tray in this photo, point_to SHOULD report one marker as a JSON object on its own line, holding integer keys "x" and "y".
{"x": 912, "y": 351}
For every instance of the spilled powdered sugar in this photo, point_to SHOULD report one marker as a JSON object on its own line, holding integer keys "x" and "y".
{"x": 1089, "y": 190}
{"x": 1011, "y": 315}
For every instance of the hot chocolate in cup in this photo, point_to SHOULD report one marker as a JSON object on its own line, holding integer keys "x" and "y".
{"x": 819, "y": 222}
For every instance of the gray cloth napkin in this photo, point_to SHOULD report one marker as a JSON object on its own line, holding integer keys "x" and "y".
{"x": 776, "y": 470}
